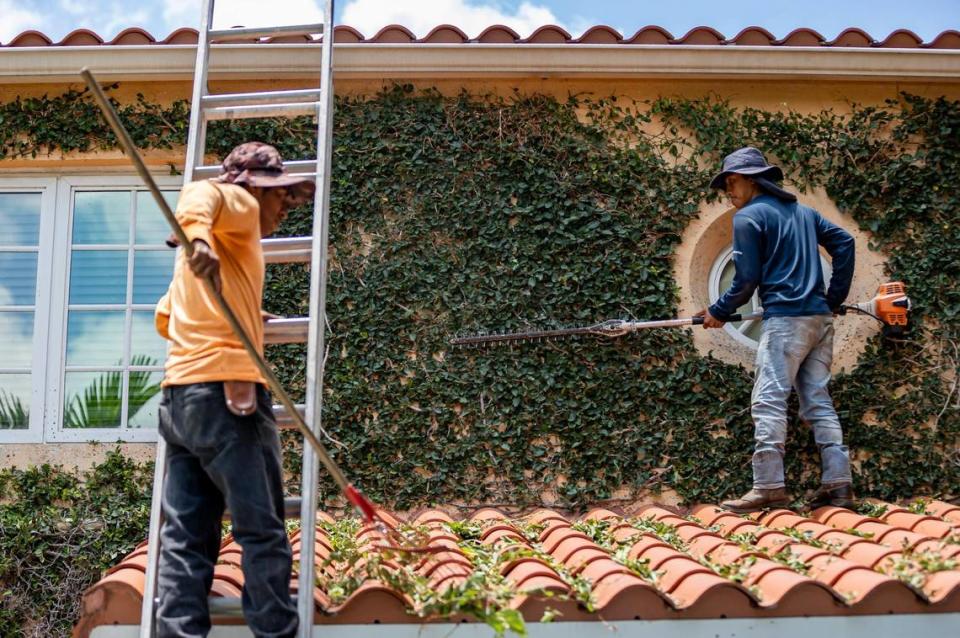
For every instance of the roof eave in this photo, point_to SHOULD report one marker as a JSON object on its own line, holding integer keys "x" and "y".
{"x": 475, "y": 60}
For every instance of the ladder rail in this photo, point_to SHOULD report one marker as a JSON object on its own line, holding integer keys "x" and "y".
{"x": 317, "y": 313}
{"x": 197, "y": 131}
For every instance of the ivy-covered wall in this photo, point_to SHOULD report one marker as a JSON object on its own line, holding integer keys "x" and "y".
{"x": 466, "y": 213}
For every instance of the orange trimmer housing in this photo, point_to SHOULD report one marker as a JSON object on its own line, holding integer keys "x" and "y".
{"x": 891, "y": 304}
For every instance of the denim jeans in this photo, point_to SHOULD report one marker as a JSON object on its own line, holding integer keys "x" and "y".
{"x": 215, "y": 458}
{"x": 795, "y": 352}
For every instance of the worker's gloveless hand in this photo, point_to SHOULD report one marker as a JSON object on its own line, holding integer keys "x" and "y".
{"x": 709, "y": 321}
{"x": 205, "y": 263}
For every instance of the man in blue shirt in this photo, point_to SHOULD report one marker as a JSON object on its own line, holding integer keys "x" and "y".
{"x": 775, "y": 249}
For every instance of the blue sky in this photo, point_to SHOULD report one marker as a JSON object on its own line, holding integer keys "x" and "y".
{"x": 56, "y": 18}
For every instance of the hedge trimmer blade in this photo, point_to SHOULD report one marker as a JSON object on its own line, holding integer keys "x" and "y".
{"x": 612, "y": 328}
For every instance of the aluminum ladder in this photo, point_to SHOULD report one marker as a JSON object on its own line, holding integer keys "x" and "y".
{"x": 206, "y": 107}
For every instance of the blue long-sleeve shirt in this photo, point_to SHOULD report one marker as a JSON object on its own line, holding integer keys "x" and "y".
{"x": 775, "y": 247}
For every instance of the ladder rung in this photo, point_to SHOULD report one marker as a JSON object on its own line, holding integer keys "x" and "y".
{"x": 287, "y": 250}
{"x": 255, "y": 33}
{"x": 228, "y": 605}
{"x": 300, "y": 167}
{"x": 291, "y": 508}
{"x": 260, "y": 97}
{"x": 291, "y": 109}
{"x": 284, "y": 421}
{"x": 287, "y": 330}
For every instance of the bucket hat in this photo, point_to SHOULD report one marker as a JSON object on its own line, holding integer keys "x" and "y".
{"x": 750, "y": 161}
{"x": 746, "y": 161}
{"x": 260, "y": 165}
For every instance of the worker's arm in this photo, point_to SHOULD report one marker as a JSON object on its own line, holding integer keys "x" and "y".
{"x": 197, "y": 210}
{"x": 747, "y": 246}
{"x": 840, "y": 245}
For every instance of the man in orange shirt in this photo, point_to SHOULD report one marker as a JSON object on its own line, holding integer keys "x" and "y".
{"x": 223, "y": 449}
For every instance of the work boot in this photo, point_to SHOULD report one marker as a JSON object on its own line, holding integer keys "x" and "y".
{"x": 836, "y": 495}
{"x": 756, "y": 500}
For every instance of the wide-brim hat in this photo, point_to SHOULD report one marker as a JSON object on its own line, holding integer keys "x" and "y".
{"x": 260, "y": 165}
{"x": 746, "y": 161}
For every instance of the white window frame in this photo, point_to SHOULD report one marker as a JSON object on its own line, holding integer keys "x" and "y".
{"x": 59, "y": 298}
{"x": 46, "y": 186}
{"x": 716, "y": 271}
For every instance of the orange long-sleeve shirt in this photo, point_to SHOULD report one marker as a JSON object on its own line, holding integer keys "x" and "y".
{"x": 203, "y": 347}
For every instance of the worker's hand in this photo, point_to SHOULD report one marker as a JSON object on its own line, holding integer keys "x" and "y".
{"x": 205, "y": 263}
{"x": 267, "y": 316}
{"x": 709, "y": 321}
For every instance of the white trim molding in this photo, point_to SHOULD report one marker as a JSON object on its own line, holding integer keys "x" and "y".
{"x": 475, "y": 60}
{"x": 890, "y": 626}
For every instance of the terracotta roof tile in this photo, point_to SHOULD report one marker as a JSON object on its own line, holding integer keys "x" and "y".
{"x": 183, "y": 35}
{"x": 133, "y": 35}
{"x": 658, "y": 564}
{"x": 902, "y": 39}
{"x": 445, "y": 34}
{"x": 342, "y": 34}
{"x": 946, "y": 40}
{"x": 753, "y": 36}
{"x": 548, "y": 34}
{"x": 600, "y": 34}
{"x": 651, "y": 35}
{"x": 702, "y": 36}
{"x": 852, "y": 38}
{"x": 394, "y": 34}
{"x": 30, "y": 39}
{"x": 803, "y": 37}
{"x": 81, "y": 37}
{"x": 498, "y": 34}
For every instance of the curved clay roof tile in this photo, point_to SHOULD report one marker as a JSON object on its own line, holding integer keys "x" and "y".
{"x": 946, "y": 40}
{"x": 498, "y": 34}
{"x": 80, "y": 38}
{"x": 600, "y": 34}
{"x": 133, "y": 35}
{"x": 445, "y": 34}
{"x": 549, "y": 34}
{"x": 651, "y": 34}
{"x": 702, "y": 36}
{"x": 901, "y": 39}
{"x": 394, "y": 34}
{"x": 184, "y": 35}
{"x": 30, "y": 39}
{"x": 346, "y": 35}
{"x": 803, "y": 37}
{"x": 753, "y": 36}
{"x": 852, "y": 37}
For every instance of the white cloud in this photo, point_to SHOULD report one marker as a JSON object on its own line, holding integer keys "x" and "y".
{"x": 369, "y": 16}
{"x": 16, "y": 20}
{"x": 247, "y": 13}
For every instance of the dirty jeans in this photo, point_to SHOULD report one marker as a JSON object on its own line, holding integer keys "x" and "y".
{"x": 795, "y": 352}
{"x": 216, "y": 458}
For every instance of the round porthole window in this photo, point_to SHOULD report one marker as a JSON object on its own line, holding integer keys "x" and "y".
{"x": 721, "y": 276}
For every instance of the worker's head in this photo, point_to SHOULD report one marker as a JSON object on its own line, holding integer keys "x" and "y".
{"x": 259, "y": 168}
{"x": 745, "y": 174}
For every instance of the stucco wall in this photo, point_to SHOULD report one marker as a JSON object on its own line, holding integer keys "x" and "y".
{"x": 701, "y": 243}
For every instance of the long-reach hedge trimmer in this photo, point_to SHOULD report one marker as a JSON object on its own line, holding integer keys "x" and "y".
{"x": 890, "y": 306}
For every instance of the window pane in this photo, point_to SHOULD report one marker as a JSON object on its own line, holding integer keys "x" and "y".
{"x": 145, "y": 342}
{"x": 101, "y": 217}
{"x": 92, "y": 399}
{"x": 98, "y": 276}
{"x": 16, "y": 335}
{"x": 152, "y": 227}
{"x": 14, "y": 401}
{"x": 18, "y": 278}
{"x": 19, "y": 219}
{"x": 152, "y": 272}
{"x": 95, "y": 338}
{"x": 144, "y": 393}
